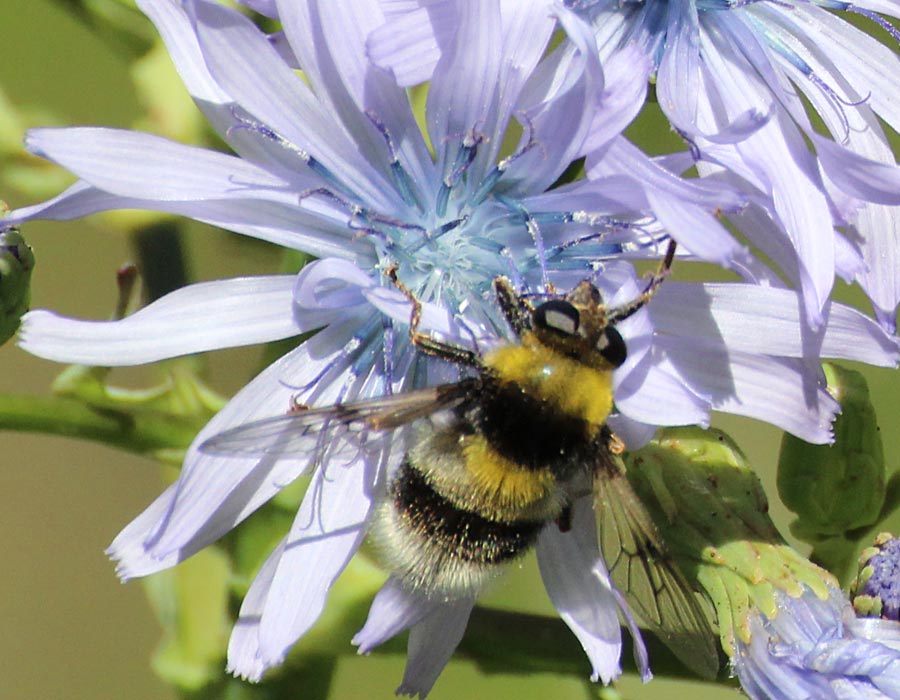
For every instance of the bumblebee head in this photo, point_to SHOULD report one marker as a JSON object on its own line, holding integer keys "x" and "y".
{"x": 579, "y": 327}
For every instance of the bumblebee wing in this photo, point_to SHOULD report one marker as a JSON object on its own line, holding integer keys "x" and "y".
{"x": 301, "y": 430}
{"x": 643, "y": 570}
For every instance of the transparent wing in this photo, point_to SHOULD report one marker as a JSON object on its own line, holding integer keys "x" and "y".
{"x": 650, "y": 579}
{"x": 304, "y": 429}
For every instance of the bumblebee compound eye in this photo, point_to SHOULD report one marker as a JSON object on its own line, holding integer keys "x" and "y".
{"x": 612, "y": 346}
{"x": 557, "y": 315}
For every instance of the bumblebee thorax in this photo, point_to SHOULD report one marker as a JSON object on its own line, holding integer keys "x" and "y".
{"x": 574, "y": 387}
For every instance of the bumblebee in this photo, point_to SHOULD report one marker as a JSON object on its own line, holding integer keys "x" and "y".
{"x": 502, "y": 454}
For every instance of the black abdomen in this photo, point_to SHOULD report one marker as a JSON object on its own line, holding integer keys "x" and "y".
{"x": 529, "y": 431}
{"x": 475, "y": 494}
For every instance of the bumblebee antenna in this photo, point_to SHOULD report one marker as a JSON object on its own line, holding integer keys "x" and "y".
{"x": 620, "y": 313}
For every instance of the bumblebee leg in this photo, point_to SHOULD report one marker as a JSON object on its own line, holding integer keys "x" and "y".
{"x": 622, "y": 312}
{"x": 513, "y": 305}
{"x": 297, "y": 406}
{"x": 661, "y": 273}
{"x": 423, "y": 341}
{"x": 616, "y": 445}
{"x": 564, "y": 520}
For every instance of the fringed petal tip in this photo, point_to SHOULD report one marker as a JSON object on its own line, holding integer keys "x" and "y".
{"x": 251, "y": 671}
{"x": 133, "y": 560}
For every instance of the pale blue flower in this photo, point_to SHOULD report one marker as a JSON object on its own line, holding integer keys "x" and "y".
{"x": 723, "y": 68}
{"x": 335, "y": 165}
{"x": 818, "y": 649}
{"x": 731, "y": 77}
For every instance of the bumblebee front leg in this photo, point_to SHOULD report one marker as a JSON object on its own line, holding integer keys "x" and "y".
{"x": 620, "y": 313}
{"x": 517, "y": 310}
{"x": 423, "y": 341}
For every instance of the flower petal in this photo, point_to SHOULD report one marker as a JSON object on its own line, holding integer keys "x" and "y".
{"x": 557, "y": 91}
{"x": 567, "y": 561}
{"x": 463, "y": 91}
{"x": 78, "y": 200}
{"x": 393, "y": 610}
{"x": 678, "y": 74}
{"x": 652, "y": 393}
{"x": 243, "y": 645}
{"x": 331, "y": 285}
{"x": 858, "y": 176}
{"x": 816, "y": 648}
{"x": 409, "y": 43}
{"x": 328, "y": 529}
{"x": 698, "y": 231}
{"x": 779, "y": 151}
{"x": 786, "y": 392}
{"x": 175, "y": 28}
{"x": 144, "y": 166}
{"x": 214, "y": 493}
{"x": 329, "y": 40}
{"x": 431, "y": 644}
{"x": 317, "y": 232}
{"x": 767, "y": 321}
{"x": 624, "y": 93}
{"x": 263, "y": 85}
{"x": 186, "y": 321}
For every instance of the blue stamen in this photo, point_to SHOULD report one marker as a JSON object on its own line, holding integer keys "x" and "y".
{"x": 534, "y": 231}
{"x": 693, "y": 148}
{"x": 443, "y": 197}
{"x": 429, "y": 236}
{"x": 387, "y": 330}
{"x": 449, "y": 226}
{"x": 878, "y": 19}
{"x": 385, "y": 228}
{"x": 487, "y": 244}
{"x": 352, "y": 347}
{"x": 366, "y": 358}
{"x": 842, "y": 100}
{"x": 491, "y": 179}
{"x": 402, "y": 179}
{"x": 515, "y": 276}
{"x": 269, "y": 133}
{"x": 801, "y": 65}
{"x": 556, "y": 251}
{"x": 360, "y": 228}
{"x": 465, "y": 156}
{"x": 406, "y": 187}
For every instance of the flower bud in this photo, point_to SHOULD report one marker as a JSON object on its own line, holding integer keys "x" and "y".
{"x": 16, "y": 264}
{"x": 712, "y": 510}
{"x": 876, "y": 590}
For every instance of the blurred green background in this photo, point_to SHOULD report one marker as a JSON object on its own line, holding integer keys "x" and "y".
{"x": 70, "y": 630}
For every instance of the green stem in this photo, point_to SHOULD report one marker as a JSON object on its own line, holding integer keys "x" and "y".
{"x": 143, "y": 432}
{"x": 120, "y": 26}
{"x": 161, "y": 258}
